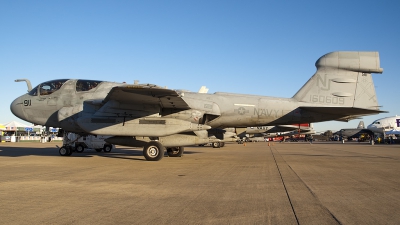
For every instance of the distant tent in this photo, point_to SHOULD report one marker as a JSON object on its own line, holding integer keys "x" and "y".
{"x": 14, "y": 125}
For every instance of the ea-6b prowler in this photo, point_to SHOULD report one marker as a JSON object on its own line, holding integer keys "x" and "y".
{"x": 159, "y": 119}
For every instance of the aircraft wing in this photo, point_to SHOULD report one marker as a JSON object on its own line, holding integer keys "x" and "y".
{"x": 149, "y": 95}
{"x": 136, "y": 111}
{"x": 137, "y": 101}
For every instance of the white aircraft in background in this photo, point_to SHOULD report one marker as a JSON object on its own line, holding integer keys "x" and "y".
{"x": 385, "y": 124}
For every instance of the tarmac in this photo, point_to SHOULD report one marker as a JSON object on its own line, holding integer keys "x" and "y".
{"x": 284, "y": 183}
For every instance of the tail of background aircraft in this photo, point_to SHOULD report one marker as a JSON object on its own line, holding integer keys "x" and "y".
{"x": 361, "y": 125}
{"x": 343, "y": 79}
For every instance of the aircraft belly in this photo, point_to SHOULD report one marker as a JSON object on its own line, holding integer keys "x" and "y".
{"x": 151, "y": 127}
{"x": 167, "y": 141}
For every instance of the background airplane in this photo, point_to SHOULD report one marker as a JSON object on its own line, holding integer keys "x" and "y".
{"x": 159, "y": 119}
{"x": 350, "y": 133}
{"x": 385, "y": 124}
{"x": 274, "y": 131}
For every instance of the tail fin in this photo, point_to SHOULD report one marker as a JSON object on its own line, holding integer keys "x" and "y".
{"x": 361, "y": 125}
{"x": 343, "y": 79}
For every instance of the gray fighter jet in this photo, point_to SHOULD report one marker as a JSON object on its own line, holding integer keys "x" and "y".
{"x": 159, "y": 119}
{"x": 350, "y": 133}
{"x": 273, "y": 131}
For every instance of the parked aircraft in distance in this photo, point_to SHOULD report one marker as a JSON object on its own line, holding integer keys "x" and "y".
{"x": 355, "y": 132}
{"x": 159, "y": 119}
{"x": 273, "y": 131}
{"x": 303, "y": 128}
{"x": 302, "y": 131}
{"x": 385, "y": 124}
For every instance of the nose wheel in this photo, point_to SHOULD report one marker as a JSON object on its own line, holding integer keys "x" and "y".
{"x": 65, "y": 150}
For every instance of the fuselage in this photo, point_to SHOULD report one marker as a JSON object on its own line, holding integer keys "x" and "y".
{"x": 61, "y": 103}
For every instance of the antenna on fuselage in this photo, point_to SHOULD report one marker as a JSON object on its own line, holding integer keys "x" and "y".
{"x": 28, "y": 83}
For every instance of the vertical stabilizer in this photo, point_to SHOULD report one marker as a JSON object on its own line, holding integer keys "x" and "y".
{"x": 361, "y": 125}
{"x": 343, "y": 79}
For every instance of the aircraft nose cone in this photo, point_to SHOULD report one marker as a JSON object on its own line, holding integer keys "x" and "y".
{"x": 16, "y": 108}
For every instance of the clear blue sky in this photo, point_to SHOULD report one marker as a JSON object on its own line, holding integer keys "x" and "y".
{"x": 251, "y": 47}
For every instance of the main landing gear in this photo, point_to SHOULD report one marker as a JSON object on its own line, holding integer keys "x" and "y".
{"x": 218, "y": 144}
{"x": 154, "y": 151}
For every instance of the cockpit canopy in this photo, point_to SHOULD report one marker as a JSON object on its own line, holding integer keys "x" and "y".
{"x": 86, "y": 85}
{"x": 49, "y": 87}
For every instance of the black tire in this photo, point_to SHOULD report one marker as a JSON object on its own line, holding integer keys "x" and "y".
{"x": 107, "y": 148}
{"x": 216, "y": 144}
{"x": 64, "y": 151}
{"x": 153, "y": 151}
{"x": 98, "y": 149}
{"x": 175, "y": 151}
{"x": 79, "y": 148}
{"x": 222, "y": 144}
{"x": 70, "y": 150}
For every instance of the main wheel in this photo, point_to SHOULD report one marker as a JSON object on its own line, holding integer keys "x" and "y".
{"x": 79, "y": 148}
{"x": 175, "y": 151}
{"x": 222, "y": 144}
{"x": 107, "y": 148}
{"x": 153, "y": 151}
{"x": 216, "y": 145}
{"x": 64, "y": 151}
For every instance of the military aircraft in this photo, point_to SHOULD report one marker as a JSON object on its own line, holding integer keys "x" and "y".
{"x": 159, "y": 119}
{"x": 280, "y": 129}
{"x": 274, "y": 131}
{"x": 385, "y": 124}
{"x": 350, "y": 133}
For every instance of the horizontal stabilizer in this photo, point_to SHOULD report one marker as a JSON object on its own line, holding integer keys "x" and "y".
{"x": 342, "y": 113}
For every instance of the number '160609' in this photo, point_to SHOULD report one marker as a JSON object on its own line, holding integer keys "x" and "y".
{"x": 327, "y": 99}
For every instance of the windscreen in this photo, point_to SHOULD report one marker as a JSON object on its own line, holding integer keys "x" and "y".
{"x": 49, "y": 87}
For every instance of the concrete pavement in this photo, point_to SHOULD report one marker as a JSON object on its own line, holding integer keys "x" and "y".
{"x": 285, "y": 183}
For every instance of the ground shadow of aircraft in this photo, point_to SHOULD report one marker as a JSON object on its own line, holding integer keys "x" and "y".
{"x": 123, "y": 153}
